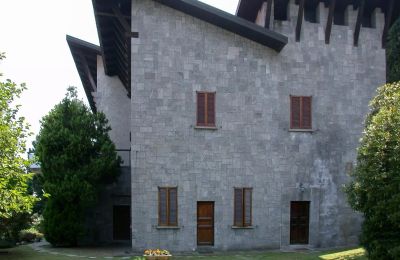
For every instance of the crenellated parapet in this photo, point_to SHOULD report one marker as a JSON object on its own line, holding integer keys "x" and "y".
{"x": 361, "y": 18}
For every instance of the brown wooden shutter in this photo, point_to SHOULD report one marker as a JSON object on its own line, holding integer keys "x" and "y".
{"x": 211, "y": 109}
{"x": 201, "y": 106}
{"x": 306, "y": 113}
{"x": 247, "y": 207}
{"x": 295, "y": 103}
{"x": 238, "y": 208}
{"x": 162, "y": 207}
{"x": 173, "y": 207}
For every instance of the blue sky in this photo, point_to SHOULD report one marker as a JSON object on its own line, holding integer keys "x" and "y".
{"x": 33, "y": 37}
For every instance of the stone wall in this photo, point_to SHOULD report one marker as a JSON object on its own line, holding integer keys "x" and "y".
{"x": 99, "y": 220}
{"x": 111, "y": 99}
{"x": 177, "y": 55}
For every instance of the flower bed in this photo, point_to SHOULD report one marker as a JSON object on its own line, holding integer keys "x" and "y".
{"x": 157, "y": 254}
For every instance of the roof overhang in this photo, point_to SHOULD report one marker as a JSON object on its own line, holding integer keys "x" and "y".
{"x": 248, "y": 9}
{"x": 85, "y": 58}
{"x": 229, "y": 22}
{"x": 113, "y": 21}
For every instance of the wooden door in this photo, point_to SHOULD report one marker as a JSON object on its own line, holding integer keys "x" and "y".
{"x": 299, "y": 222}
{"x": 205, "y": 223}
{"x": 121, "y": 222}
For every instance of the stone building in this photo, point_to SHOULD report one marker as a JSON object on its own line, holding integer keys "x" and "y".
{"x": 237, "y": 131}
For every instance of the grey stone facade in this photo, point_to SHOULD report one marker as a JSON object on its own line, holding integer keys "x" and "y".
{"x": 99, "y": 221}
{"x": 177, "y": 55}
{"x": 111, "y": 99}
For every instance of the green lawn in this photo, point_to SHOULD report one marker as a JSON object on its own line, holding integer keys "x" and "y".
{"x": 25, "y": 253}
{"x": 326, "y": 255}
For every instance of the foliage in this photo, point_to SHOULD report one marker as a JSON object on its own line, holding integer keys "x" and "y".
{"x": 15, "y": 202}
{"x": 375, "y": 189}
{"x": 393, "y": 53}
{"x": 35, "y": 186}
{"x": 77, "y": 159}
{"x": 30, "y": 235}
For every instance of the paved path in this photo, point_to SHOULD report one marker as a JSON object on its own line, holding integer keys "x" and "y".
{"x": 104, "y": 252}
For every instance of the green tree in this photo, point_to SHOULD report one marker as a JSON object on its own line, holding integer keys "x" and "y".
{"x": 393, "y": 53}
{"x": 77, "y": 159}
{"x": 15, "y": 202}
{"x": 375, "y": 190}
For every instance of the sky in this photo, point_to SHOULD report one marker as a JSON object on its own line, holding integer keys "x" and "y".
{"x": 32, "y": 34}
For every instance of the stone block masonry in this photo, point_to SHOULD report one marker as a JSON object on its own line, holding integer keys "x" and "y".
{"x": 177, "y": 55}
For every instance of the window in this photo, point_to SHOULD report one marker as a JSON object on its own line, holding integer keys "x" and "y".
{"x": 243, "y": 204}
{"x": 167, "y": 206}
{"x": 300, "y": 112}
{"x": 206, "y": 109}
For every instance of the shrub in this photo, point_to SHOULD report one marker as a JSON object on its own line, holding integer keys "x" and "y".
{"x": 77, "y": 159}
{"x": 30, "y": 235}
{"x": 393, "y": 53}
{"x": 375, "y": 189}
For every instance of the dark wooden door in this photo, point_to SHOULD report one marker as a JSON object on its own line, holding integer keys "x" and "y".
{"x": 121, "y": 222}
{"x": 205, "y": 223}
{"x": 299, "y": 222}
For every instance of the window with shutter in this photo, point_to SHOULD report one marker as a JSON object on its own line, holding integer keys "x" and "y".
{"x": 173, "y": 207}
{"x": 201, "y": 106}
{"x": 247, "y": 207}
{"x": 242, "y": 207}
{"x": 206, "y": 109}
{"x": 162, "y": 207}
{"x": 238, "y": 211}
{"x": 306, "y": 112}
{"x": 300, "y": 112}
{"x": 167, "y": 206}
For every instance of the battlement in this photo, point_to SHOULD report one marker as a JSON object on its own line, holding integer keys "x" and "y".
{"x": 294, "y": 17}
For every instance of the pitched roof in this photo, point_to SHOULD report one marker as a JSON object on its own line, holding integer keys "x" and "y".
{"x": 229, "y": 22}
{"x": 85, "y": 58}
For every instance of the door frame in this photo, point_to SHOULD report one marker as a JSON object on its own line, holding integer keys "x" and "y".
{"x": 213, "y": 224}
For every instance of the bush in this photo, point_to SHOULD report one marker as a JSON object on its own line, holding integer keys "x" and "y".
{"x": 375, "y": 189}
{"x": 77, "y": 159}
{"x": 6, "y": 244}
{"x": 393, "y": 53}
{"x": 30, "y": 235}
{"x": 10, "y": 227}
{"x": 15, "y": 201}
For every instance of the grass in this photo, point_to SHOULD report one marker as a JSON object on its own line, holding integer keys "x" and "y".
{"x": 27, "y": 253}
{"x": 325, "y": 255}
{"x": 343, "y": 254}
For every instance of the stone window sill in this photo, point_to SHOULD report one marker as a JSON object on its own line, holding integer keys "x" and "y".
{"x": 237, "y": 227}
{"x": 206, "y": 127}
{"x": 302, "y": 130}
{"x": 168, "y": 227}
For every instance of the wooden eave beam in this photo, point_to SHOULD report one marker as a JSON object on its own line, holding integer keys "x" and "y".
{"x": 268, "y": 14}
{"x": 329, "y": 22}
{"x": 299, "y": 20}
{"x": 111, "y": 15}
{"x": 388, "y": 20}
{"x": 359, "y": 21}
{"x": 125, "y": 24}
{"x": 86, "y": 69}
